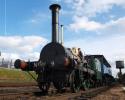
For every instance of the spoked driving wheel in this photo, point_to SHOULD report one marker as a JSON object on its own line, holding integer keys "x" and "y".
{"x": 44, "y": 86}
{"x": 86, "y": 84}
{"x": 75, "y": 81}
{"x": 59, "y": 85}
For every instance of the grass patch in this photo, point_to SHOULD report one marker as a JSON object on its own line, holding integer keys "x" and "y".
{"x": 15, "y": 75}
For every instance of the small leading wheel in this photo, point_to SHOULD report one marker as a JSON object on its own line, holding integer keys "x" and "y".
{"x": 59, "y": 85}
{"x": 44, "y": 86}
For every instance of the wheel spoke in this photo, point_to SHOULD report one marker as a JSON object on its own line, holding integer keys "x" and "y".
{"x": 75, "y": 84}
{"x": 44, "y": 86}
{"x": 58, "y": 85}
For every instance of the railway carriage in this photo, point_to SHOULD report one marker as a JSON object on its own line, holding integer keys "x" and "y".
{"x": 101, "y": 67}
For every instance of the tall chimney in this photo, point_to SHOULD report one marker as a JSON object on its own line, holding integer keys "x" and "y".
{"x": 62, "y": 40}
{"x": 55, "y": 21}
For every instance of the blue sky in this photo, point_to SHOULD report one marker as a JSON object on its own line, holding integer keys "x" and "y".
{"x": 96, "y": 26}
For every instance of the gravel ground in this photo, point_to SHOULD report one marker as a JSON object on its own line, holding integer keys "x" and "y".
{"x": 115, "y": 93}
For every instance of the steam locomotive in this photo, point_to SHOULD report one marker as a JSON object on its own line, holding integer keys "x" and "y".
{"x": 66, "y": 67}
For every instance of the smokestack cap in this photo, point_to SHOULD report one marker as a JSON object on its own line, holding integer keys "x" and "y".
{"x": 54, "y": 6}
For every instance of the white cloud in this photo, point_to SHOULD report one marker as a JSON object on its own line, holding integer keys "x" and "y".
{"x": 32, "y": 56}
{"x": 21, "y": 44}
{"x": 92, "y": 7}
{"x": 111, "y": 27}
{"x": 9, "y": 56}
{"x": 84, "y": 23}
{"x": 24, "y": 47}
{"x": 85, "y": 10}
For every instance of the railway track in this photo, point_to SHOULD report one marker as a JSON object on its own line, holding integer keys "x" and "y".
{"x": 18, "y": 84}
{"x": 88, "y": 95}
{"x": 34, "y": 93}
{"x": 18, "y": 93}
